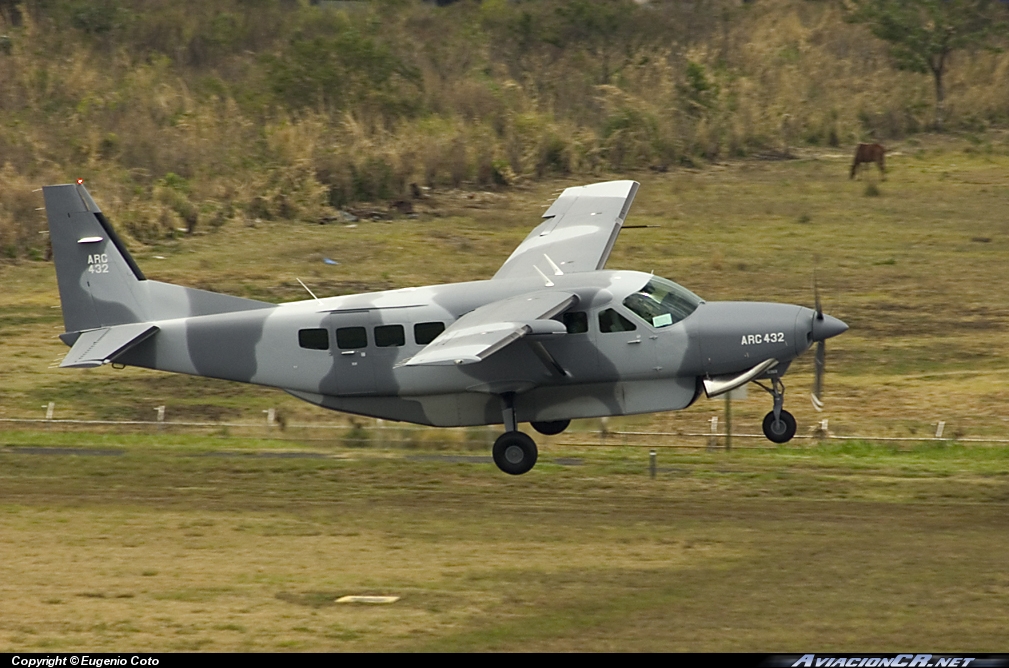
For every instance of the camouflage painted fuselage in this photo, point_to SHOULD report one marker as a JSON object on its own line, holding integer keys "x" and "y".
{"x": 568, "y": 345}
{"x": 611, "y": 373}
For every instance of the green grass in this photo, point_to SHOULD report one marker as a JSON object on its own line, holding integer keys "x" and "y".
{"x": 166, "y": 547}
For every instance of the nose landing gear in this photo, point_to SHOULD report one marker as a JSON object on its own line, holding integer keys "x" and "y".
{"x": 779, "y": 424}
{"x": 779, "y": 429}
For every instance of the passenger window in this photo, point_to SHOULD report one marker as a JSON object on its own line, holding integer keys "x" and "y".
{"x": 426, "y": 332}
{"x": 577, "y": 322}
{"x": 313, "y": 339}
{"x": 349, "y": 338}
{"x": 389, "y": 335}
{"x": 611, "y": 321}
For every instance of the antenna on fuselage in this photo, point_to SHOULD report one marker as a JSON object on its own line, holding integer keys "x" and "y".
{"x": 546, "y": 281}
{"x": 306, "y": 288}
{"x": 557, "y": 270}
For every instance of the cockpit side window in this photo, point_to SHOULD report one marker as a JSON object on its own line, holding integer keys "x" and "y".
{"x": 576, "y": 322}
{"x": 662, "y": 303}
{"x": 611, "y": 321}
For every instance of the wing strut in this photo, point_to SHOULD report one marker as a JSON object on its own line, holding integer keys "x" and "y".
{"x": 549, "y": 361}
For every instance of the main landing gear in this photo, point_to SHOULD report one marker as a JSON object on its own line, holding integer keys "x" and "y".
{"x": 779, "y": 425}
{"x": 514, "y": 452}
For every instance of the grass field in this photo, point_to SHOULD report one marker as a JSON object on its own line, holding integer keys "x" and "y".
{"x": 174, "y": 541}
{"x": 195, "y": 543}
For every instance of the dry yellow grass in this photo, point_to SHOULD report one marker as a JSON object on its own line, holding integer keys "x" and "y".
{"x": 205, "y": 123}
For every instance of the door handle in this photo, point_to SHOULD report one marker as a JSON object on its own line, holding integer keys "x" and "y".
{"x": 349, "y": 352}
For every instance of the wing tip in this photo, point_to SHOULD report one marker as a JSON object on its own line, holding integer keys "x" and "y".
{"x": 621, "y": 188}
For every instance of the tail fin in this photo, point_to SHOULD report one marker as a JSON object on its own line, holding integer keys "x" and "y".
{"x": 98, "y": 279}
{"x": 100, "y": 283}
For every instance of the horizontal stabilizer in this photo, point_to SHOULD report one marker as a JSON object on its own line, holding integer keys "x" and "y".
{"x": 99, "y": 346}
{"x": 722, "y": 384}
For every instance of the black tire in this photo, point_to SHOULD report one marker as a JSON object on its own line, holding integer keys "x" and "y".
{"x": 782, "y": 431}
{"x": 515, "y": 453}
{"x": 551, "y": 428}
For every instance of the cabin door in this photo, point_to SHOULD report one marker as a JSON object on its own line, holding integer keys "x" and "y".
{"x": 353, "y": 353}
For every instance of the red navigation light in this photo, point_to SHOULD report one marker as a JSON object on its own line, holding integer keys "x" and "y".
{"x": 80, "y": 182}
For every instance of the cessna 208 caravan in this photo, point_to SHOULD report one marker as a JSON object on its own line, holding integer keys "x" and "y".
{"x": 551, "y": 337}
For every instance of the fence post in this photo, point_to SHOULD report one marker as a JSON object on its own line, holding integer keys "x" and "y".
{"x": 161, "y": 417}
{"x": 713, "y": 439}
{"x": 728, "y": 420}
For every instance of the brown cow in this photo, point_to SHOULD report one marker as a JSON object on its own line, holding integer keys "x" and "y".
{"x": 868, "y": 153}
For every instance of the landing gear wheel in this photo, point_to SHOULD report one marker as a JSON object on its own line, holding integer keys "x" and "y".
{"x": 514, "y": 452}
{"x": 781, "y": 430}
{"x": 551, "y": 428}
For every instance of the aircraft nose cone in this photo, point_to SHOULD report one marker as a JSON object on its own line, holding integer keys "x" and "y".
{"x": 828, "y": 327}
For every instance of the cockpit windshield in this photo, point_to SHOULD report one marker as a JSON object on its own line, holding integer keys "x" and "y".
{"x": 662, "y": 303}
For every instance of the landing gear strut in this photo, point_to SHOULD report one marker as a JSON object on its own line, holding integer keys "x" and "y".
{"x": 779, "y": 425}
{"x": 514, "y": 452}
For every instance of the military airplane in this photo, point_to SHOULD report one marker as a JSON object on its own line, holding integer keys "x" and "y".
{"x": 551, "y": 337}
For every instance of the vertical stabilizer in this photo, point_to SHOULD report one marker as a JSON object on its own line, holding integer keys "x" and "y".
{"x": 98, "y": 280}
{"x": 101, "y": 285}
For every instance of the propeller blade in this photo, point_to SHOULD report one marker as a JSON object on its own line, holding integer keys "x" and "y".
{"x": 821, "y": 351}
{"x": 816, "y": 297}
{"x": 820, "y": 362}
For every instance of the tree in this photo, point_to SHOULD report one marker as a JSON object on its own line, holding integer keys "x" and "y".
{"x": 923, "y": 34}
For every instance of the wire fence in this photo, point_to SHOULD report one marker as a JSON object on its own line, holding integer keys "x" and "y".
{"x": 361, "y": 432}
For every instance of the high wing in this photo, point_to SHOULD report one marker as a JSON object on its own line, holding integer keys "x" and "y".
{"x": 486, "y": 330}
{"x": 577, "y": 233}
